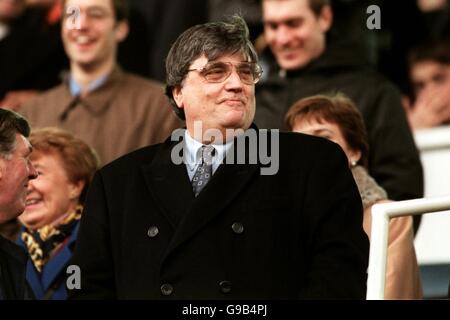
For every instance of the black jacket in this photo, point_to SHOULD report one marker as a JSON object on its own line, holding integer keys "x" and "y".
{"x": 13, "y": 260}
{"x": 393, "y": 157}
{"x": 295, "y": 234}
{"x": 32, "y": 54}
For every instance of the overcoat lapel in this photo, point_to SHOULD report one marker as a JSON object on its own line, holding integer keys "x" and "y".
{"x": 169, "y": 184}
{"x": 228, "y": 181}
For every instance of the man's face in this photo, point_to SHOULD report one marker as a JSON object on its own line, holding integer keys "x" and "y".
{"x": 91, "y": 33}
{"x": 430, "y": 76}
{"x": 10, "y": 9}
{"x": 294, "y": 33}
{"x": 226, "y": 105}
{"x": 15, "y": 173}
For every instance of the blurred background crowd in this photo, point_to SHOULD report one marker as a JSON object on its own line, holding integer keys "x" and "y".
{"x": 103, "y": 83}
{"x": 33, "y": 58}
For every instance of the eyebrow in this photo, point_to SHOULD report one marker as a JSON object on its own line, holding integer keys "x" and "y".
{"x": 97, "y": 7}
{"x": 283, "y": 21}
{"x": 217, "y": 60}
{"x": 38, "y": 165}
{"x": 30, "y": 149}
{"x": 316, "y": 131}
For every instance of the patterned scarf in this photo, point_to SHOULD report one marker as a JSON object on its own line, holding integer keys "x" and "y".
{"x": 369, "y": 190}
{"x": 41, "y": 242}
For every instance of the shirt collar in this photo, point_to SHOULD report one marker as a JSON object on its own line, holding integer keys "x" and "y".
{"x": 75, "y": 88}
{"x": 193, "y": 153}
{"x": 4, "y": 30}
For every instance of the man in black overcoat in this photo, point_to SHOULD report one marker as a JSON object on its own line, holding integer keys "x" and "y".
{"x": 222, "y": 210}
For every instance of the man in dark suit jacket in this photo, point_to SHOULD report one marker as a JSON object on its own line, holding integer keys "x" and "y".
{"x": 15, "y": 172}
{"x": 207, "y": 216}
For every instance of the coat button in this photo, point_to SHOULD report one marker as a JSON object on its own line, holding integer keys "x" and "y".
{"x": 153, "y": 231}
{"x": 225, "y": 286}
{"x": 237, "y": 227}
{"x": 166, "y": 289}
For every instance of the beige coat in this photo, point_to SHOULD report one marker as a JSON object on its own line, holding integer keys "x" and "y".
{"x": 124, "y": 114}
{"x": 402, "y": 272}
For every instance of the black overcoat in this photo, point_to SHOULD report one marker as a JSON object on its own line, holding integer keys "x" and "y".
{"x": 295, "y": 234}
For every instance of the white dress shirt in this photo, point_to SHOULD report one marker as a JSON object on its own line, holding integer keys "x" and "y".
{"x": 193, "y": 156}
{"x": 4, "y": 30}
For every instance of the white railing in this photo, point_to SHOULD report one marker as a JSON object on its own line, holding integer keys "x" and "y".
{"x": 381, "y": 214}
{"x": 434, "y": 146}
{"x": 432, "y": 139}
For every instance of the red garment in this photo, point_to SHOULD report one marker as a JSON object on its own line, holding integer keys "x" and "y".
{"x": 54, "y": 13}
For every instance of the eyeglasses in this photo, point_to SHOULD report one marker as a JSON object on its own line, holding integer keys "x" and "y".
{"x": 216, "y": 72}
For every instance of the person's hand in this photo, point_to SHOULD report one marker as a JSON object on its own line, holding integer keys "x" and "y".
{"x": 14, "y": 99}
{"x": 432, "y": 108}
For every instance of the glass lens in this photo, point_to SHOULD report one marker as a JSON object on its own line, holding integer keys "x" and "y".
{"x": 216, "y": 72}
{"x": 249, "y": 72}
{"x": 246, "y": 73}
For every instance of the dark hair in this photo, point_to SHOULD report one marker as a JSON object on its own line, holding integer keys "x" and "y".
{"x": 121, "y": 9}
{"x": 437, "y": 50}
{"x": 315, "y": 5}
{"x": 10, "y": 124}
{"x": 214, "y": 40}
{"x": 78, "y": 159}
{"x": 337, "y": 109}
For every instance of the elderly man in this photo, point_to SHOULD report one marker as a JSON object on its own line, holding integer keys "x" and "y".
{"x": 302, "y": 64}
{"x": 113, "y": 111}
{"x": 214, "y": 228}
{"x": 15, "y": 172}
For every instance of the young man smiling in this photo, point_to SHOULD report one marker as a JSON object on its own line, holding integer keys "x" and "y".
{"x": 113, "y": 111}
{"x": 301, "y": 63}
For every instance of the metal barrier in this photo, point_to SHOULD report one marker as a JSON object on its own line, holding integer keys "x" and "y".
{"x": 433, "y": 139}
{"x": 434, "y": 146}
{"x": 381, "y": 214}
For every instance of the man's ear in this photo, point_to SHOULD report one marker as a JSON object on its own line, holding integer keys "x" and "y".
{"x": 326, "y": 18}
{"x": 121, "y": 31}
{"x": 177, "y": 93}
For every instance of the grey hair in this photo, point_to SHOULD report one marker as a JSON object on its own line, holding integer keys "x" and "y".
{"x": 213, "y": 39}
{"x": 10, "y": 124}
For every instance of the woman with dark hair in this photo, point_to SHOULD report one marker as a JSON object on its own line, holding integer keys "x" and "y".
{"x": 337, "y": 119}
{"x": 54, "y": 204}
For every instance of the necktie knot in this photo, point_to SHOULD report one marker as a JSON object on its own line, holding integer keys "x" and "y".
{"x": 207, "y": 154}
